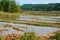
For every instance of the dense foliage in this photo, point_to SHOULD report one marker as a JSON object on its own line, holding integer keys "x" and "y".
{"x": 58, "y": 36}
{"x": 9, "y": 6}
{"x": 42, "y": 7}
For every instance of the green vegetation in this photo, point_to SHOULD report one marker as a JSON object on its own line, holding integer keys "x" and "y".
{"x": 41, "y": 7}
{"x": 6, "y": 16}
{"x": 51, "y": 39}
{"x": 10, "y": 12}
{"x": 9, "y": 6}
{"x": 1, "y": 37}
{"x": 58, "y": 36}
{"x": 28, "y": 36}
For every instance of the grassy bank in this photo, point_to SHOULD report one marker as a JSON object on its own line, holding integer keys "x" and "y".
{"x": 5, "y": 16}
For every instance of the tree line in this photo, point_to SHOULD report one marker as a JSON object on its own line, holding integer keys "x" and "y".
{"x": 42, "y": 7}
{"x": 9, "y": 6}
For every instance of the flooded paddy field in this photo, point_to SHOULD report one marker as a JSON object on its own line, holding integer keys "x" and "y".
{"x": 19, "y": 24}
{"x": 52, "y": 19}
{"x": 24, "y": 28}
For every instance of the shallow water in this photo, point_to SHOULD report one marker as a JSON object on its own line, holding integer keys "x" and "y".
{"x": 52, "y": 19}
{"x": 30, "y": 28}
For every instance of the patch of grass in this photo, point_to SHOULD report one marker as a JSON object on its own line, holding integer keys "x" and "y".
{"x": 58, "y": 36}
{"x": 5, "y": 16}
{"x": 1, "y": 37}
{"x": 28, "y": 36}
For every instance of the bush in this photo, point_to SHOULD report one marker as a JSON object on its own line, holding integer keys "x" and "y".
{"x": 58, "y": 36}
{"x": 9, "y": 6}
{"x": 28, "y": 36}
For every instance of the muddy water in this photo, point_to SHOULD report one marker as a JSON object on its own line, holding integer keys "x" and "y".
{"x": 30, "y": 28}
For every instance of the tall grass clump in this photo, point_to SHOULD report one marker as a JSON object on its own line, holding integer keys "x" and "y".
{"x": 28, "y": 36}
{"x": 1, "y": 38}
{"x": 58, "y": 36}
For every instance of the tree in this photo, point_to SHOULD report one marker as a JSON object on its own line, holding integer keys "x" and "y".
{"x": 9, "y": 6}
{"x": 5, "y": 5}
{"x": 42, "y": 7}
{"x": 12, "y": 5}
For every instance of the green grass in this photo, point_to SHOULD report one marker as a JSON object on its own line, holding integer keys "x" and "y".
{"x": 5, "y": 16}
{"x": 58, "y": 36}
{"x": 28, "y": 36}
{"x": 1, "y": 37}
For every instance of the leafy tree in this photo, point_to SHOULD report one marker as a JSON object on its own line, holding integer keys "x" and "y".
{"x": 5, "y": 5}
{"x": 9, "y": 6}
{"x": 12, "y": 5}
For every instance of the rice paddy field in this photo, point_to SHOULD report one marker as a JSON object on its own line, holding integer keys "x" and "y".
{"x": 30, "y": 25}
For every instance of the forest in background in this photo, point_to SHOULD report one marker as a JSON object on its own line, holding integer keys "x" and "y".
{"x": 41, "y": 7}
{"x": 12, "y": 6}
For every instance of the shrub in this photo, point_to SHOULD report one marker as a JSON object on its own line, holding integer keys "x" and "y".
{"x": 28, "y": 36}
{"x": 58, "y": 36}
